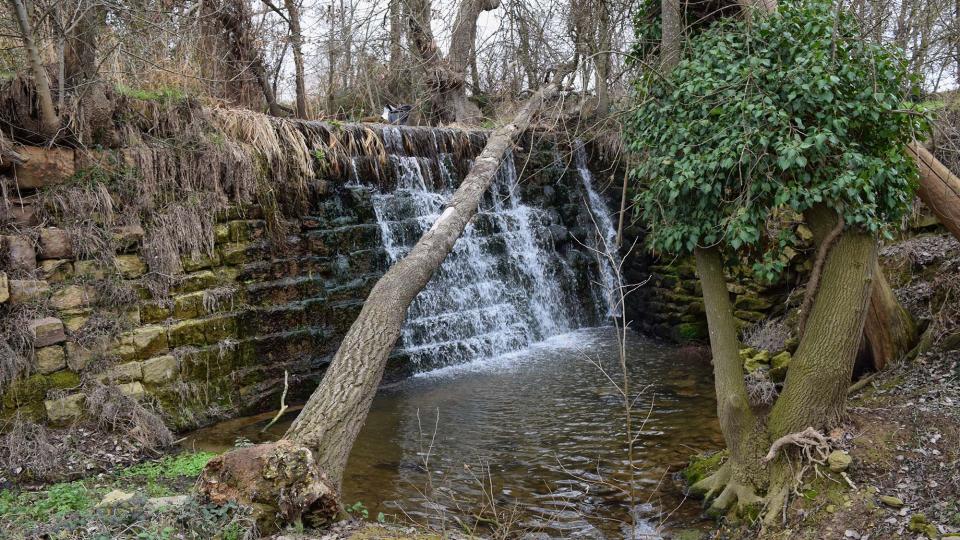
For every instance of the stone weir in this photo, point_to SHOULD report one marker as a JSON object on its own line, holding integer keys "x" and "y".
{"x": 274, "y": 249}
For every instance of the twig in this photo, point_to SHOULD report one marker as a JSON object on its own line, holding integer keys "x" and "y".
{"x": 283, "y": 405}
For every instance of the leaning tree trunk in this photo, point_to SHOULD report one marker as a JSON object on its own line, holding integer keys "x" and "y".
{"x": 49, "y": 123}
{"x": 939, "y": 188}
{"x": 317, "y": 445}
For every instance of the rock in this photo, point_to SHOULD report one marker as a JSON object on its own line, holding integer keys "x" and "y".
{"x": 93, "y": 269}
{"x": 21, "y": 255}
{"x": 65, "y": 409}
{"x": 951, "y": 342}
{"x": 752, "y": 303}
{"x": 23, "y": 215}
{"x": 78, "y": 357}
{"x": 891, "y": 501}
{"x": 133, "y": 389}
{"x": 72, "y": 297}
{"x": 56, "y": 270}
{"x": 804, "y": 233}
{"x": 115, "y": 497}
{"x": 128, "y": 237}
{"x": 160, "y": 369}
{"x": 43, "y": 166}
{"x": 25, "y": 290}
{"x": 55, "y": 244}
{"x": 779, "y": 365}
{"x": 753, "y": 364}
{"x": 46, "y": 331}
{"x": 131, "y": 266}
{"x": 4, "y": 288}
{"x": 159, "y": 503}
{"x": 839, "y": 461}
{"x": 49, "y": 359}
{"x": 125, "y": 373}
{"x": 762, "y": 357}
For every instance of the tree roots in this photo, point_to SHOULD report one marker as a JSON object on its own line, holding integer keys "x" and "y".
{"x": 726, "y": 495}
{"x": 279, "y": 481}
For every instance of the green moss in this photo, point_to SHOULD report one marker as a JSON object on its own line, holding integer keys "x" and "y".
{"x": 703, "y": 465}
{"x": 689, "y": 331}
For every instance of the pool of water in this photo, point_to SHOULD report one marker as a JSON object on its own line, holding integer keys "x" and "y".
{"x": 534, "y": 441}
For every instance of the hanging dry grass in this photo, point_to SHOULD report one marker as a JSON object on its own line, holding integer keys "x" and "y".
{"x": 116, "y": 412}
{"x": 16, "y": 343}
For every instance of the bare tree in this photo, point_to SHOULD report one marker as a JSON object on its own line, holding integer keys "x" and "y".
{"x": 49, "y": 122}
{"x": 446, "y": 76}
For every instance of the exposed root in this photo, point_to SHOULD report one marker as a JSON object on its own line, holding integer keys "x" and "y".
{"x": 280, "y": 481}
{"x": 741, "y": 498}
{"x": 812, "y": 443}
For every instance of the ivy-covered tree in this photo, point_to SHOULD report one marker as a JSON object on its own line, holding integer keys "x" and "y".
{"x": 764, "y": 124}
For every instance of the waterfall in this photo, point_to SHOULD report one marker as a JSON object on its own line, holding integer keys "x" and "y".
{"x": 503, "y": 287}
{"x": 603, "y": 223}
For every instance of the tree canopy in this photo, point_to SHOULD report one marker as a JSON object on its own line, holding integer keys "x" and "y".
{"x": 761, "y": 120}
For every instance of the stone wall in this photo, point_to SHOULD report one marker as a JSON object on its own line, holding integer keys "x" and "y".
{"x": 217, "y": 342}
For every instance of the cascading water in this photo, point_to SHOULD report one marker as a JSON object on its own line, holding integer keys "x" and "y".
{"x": 503, "y": 287}
{"x": 606, "y": 248}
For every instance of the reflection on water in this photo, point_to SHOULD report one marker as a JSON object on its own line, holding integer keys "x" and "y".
{"x": 539, "y": 435}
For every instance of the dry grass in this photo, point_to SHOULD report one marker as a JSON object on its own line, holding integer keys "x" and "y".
{"x": 16, "y": 343}
{"x": 761, "y": 391}
{"x": 116, "y": 412}
{"x": 769, "y": 335}
{"x": 26, "y": 447}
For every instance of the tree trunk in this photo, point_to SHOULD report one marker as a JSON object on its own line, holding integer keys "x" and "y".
{"x": 296, "y": 40}
{"x": 49, "y": 123}
{"x": 889, "y": 329}
{"x": 80, "y": 51}
{"x": 396, "y": 32}
{"x": 446, "y": 77}
{"x": 815, "y": 390}
{"x": 939, "y": 188}
{"x": 234, "y": 18}
{"x": 330, "y": 421}
{"x": 671, "y": 29}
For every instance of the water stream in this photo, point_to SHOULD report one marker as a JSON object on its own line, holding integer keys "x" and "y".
{"x": 511, "y": 413}
{"x": 539, "y": 433}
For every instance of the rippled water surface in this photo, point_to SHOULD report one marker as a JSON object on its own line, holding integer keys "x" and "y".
{"x": 539, "y": 435}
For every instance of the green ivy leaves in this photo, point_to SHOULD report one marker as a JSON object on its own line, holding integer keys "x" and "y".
{"x": 763, "y": 121}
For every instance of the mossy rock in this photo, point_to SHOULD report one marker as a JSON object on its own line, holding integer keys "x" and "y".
{"x": 689, "y": 331}
{"x": 702, "y": 466}
{"x": 749, "y": 302}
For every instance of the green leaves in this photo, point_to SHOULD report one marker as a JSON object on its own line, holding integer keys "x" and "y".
{"x": 760, "y": 122}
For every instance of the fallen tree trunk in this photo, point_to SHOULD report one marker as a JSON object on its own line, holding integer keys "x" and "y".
{"x": 939, "y": 188}
{"x": 319, "y": 441}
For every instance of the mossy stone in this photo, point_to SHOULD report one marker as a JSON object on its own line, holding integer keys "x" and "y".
{"x": 689, "y": 331}
{"x": 752, "y": 303}
{"x": 702, "y": 466}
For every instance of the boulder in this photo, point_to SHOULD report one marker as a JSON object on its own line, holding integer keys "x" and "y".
{"x": 43, "y": 166}
{"x": 72, "y": 297}
{"x": 891, "y": 501}
{"x": 56, "y": 270}
{"x": 159, "y": 503}
{"x": 21, "y": 255}
{"x": 115, "y": 497}
{"x": 25, "y": 290}
{"x": 55, "y": 244}
{"x": 49, "y": 359}
{"x": 160, "y": 369}
{"x": 65, "y": 409}
{"x": 22, "y": 215}
{"x": 133, "y": 389}
{"x": 46, "y": 331}
{"x": 130, "y": 266}
{"x": 839, "y": 461}
{"x": 128, "y": 237}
